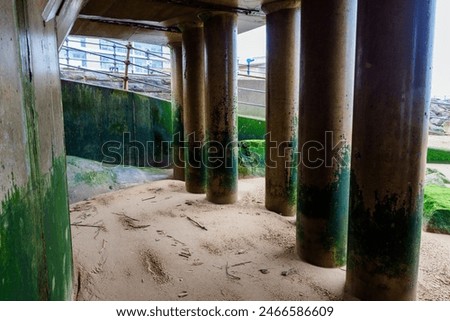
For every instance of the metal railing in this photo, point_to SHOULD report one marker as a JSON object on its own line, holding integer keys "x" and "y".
{"x": 116, "y": 60}
{"x": 246, "y": 70}
{"x": 252, "y": 95}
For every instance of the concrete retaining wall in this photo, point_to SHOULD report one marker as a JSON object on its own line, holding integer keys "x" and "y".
{"x": 115, "y": 126}
{"x": 118, "y": 127}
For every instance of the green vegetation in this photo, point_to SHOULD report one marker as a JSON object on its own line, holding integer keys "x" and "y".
{"x": 251, "y": 128}
{"x": 251, "y": 158}
{"x": 438, "y": 156}
{"x": 437, "y": 209}
{"x": 94, "y": 178}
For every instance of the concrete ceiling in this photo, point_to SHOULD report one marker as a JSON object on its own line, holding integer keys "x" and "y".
{"x": 155, "y": 21}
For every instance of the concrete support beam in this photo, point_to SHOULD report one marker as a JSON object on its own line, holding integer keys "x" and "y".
{"x": 108, "y": 29}
{"x": 194, "y": 105}
{"x": 328, "y": 31}
{"x": 392, "y": 98}
{"x": 282, "y": 99}
{"x": 49, "y": 8}
{"x": 67, "y": 17}
{"x": 221, "y": 107}
{"x": 176, "y": 51}
{"x": 35, "y": 241}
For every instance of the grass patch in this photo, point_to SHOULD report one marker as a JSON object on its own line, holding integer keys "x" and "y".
{"x": 437, "y": 209}
{"x": 93, "y": 178}
{"x": 438, "y": 156}
{"x": 252, "y": 158}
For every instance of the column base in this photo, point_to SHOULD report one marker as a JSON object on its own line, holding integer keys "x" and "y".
{"x": 221, "y": 199}
{"x": 315, "y": 247}
{"x": 372, "y": 287}
{"x": 280, "y": 207}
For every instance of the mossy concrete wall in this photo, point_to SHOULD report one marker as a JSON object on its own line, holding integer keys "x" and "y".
{"x": 35, "y": 241}
{"x": 251, "y": 128}
{"x": 116, "y": 126}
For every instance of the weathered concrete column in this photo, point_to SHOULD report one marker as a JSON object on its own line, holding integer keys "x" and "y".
{"x": 35, "y": 238}
{"x": 176, "y": 51}
{"x": 328, "y": 31}
{"x": 67, "y": 15}
{"x": 194, "y": 105}
{"x": 221, "y": 107}
{"x": 392, "y": 98}
{"x": 282, "y": 98}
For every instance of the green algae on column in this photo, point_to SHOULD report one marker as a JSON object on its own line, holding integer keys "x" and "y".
{"x": 35, "y": 240}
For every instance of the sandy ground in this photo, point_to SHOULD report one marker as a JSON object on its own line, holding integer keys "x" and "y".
{"x": 157, "y": 242}
{"x": 437, "y": 141}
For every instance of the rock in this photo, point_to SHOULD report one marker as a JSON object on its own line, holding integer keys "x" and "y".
{"x": 434, "y": 177}
{"x": 436, "y": 130}
{"x": 182, "y": 294}
{"x": 439, "y": 117}
{"x": 446, "y": 127}
{"x": 436, "y": 121}
{"x": 87, "y": 178}
{"x": 288, "y": 272}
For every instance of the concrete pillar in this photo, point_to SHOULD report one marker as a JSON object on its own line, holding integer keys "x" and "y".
{"x": 67, "y": 15}
{"x": 221, "y": 107}
{"x": 392, "y": 99}
{"x": 194, "y": 105}
{"x": 328, "y": 31}
{"x": 282, "y": 98}
{"x": 35, "y": 238}
{"x": 176, "y": 51}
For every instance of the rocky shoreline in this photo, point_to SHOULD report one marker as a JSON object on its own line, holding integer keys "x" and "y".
{"x": 439, "y": 117}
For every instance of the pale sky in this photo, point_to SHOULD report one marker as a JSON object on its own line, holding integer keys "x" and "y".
{"x": 441, "y": 58}
{"x": 253, "y": 44}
